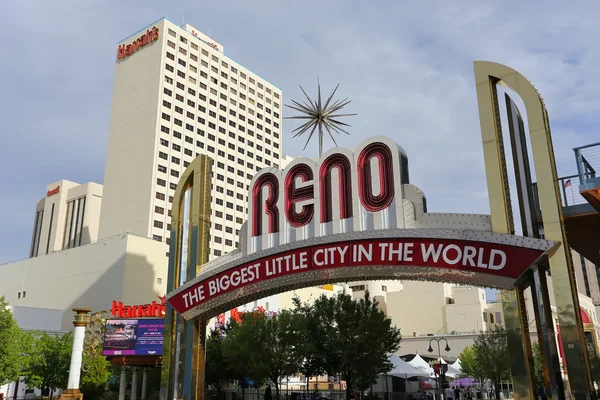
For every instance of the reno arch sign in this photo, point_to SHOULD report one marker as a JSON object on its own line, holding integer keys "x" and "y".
{"x": 344, "y": 191}
{"x": 351, "y": 215}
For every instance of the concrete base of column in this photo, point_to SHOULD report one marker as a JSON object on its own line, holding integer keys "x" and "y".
{"x": 72, "y": 394}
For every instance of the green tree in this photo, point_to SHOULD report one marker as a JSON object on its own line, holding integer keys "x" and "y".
{"x": 242, "y": 349}
{"x": 10, "y": 345}
{"x": 538, "y": 366}
{"x": 278, "y": 341}
{"x": 49, "y": 361}
{"x": 491, "y": 355}
{"x": 218, "y": 371}
{"x": 262, "y": 347}
{"x": 95, "y": 369}
{"x": 594, "y": 361}
{"x": 313, "y": 337}
{"x": 361, "y": 339}
{"x": 468, "y": 363}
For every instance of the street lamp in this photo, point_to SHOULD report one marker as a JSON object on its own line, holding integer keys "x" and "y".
{"x": 442, "y": 372}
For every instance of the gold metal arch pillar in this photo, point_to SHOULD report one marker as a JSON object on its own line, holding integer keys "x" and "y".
{"x": 182, "y": 375}
{"x": 487, "y": 76}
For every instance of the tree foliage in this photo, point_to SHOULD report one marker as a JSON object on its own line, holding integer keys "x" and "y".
{"x": 538, "y": 366}
{"x": 336, "y": 335}
{"x": 218, "y": 372}
{"x": 488, "y": 358}
{"x": 11, "y": 342}
{"x": 354, "y": 338}
{"x": 95, "y": 371}
{"x": 49, "y": 361}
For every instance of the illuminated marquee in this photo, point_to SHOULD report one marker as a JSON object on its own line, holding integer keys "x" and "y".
{"x": 344, "y": 191}
{"x": 351, "y": 215}
{"x": 125, "y": 50}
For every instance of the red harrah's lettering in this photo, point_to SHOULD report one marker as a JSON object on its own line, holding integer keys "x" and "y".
{"x": 126, "y": 50}
{"x": 52, "y": 192}
{"x": 146, "y": 310}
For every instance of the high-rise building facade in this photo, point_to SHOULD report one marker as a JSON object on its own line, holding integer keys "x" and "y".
{"x": 68, "y": 216}
{"x": 177, "y": 95}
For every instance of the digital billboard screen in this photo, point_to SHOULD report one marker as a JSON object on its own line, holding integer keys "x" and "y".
{"x": 134, "y": 337}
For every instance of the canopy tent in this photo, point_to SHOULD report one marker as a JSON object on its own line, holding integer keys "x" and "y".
{"x": 403, "y": 369}
{"x": 455, "y": 368}
{"x": 422, "y": 365}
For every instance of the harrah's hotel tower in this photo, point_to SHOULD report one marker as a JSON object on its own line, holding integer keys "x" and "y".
{"x": 176, "y": 95}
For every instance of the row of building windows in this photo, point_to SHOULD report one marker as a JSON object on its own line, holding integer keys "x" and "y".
{"x": 214, "y": 58}
{"x": 215, "y": 80}
{"x": 202, "y": 108}
{"x": 222, "y": 85}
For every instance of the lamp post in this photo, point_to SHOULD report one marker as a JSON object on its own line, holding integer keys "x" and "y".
{"x": 442, "y": 372}
{"x": 80, "y": 321}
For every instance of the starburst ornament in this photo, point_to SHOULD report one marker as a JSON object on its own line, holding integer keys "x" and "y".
{"x": 320, "y": 117}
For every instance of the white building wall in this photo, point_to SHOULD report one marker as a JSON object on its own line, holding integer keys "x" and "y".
{"x": 123, "y": 268}
{"x": 66, "y": 202}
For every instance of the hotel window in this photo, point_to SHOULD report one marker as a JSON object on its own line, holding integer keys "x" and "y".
{"x": 162, "y": 155}
{"x": 175, "y": 173}
{"x": 180, "y": 86}
{"x": 171, "y": 44}
{"x": 166, "y": 116}
{"x": 194, "y": 46}
{"x": 181, "y": 62}
{"x": 177, "y": 135}
{"x": 158, "y": 224}
{"x": 157, "y": 238}
{"x": 172, "y": 186}
{"x": 217, "y": 253}
{"x": 193, "y": 56}
{"x": 169, "y": 68}
{"x": 161, "y": 182}
{"x": 175, "y": 160}
{"x": 183, "y": 51}
{"x": 159, "y": 210}
{"x": 172, "y": 33}
{"x": 160, "y": 196}
{"x": 179, "y": 97}
{"x": 168, "y": 92}
{"x": 218, "y": 239}
{"x": 162, "y": 168}
{"x": 170, "y": 56}
{"x": 181, "y": 74}
{"x": 228, "y": 242}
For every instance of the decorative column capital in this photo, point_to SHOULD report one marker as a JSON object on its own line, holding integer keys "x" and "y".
{"x": 82, "y": 317}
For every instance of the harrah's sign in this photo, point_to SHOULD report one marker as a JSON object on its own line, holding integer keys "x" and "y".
{"x": 343, "y": 191}
{"x": 127, "y": 49}
{"x": 153, "y": 309}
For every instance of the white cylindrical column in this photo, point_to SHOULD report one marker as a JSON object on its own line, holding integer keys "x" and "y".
{"x": 80, "y": 320}
{"x": 122, "y": 384}
{"x": 134, "y": 385}
{"x": 144, "y": 384}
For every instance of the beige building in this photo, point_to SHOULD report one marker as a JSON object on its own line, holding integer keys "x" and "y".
{"x": 431, "y": 308}
{"x": 68, "y": 216}
{"x": 124, "y": 268}
{"x": 176, "y": 95}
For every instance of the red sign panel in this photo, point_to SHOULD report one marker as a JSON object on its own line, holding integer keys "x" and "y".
{"x": 454, "y": 255}
{"x": 52, "y": 192}
{"x": 125, "y": 50}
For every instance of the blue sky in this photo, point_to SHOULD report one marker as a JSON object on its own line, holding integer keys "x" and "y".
{"x": 406, "y": 66}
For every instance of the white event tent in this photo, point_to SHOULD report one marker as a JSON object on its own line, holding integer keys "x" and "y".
{"x": 404, "y": 369}
{"x": 422, "y": 365}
